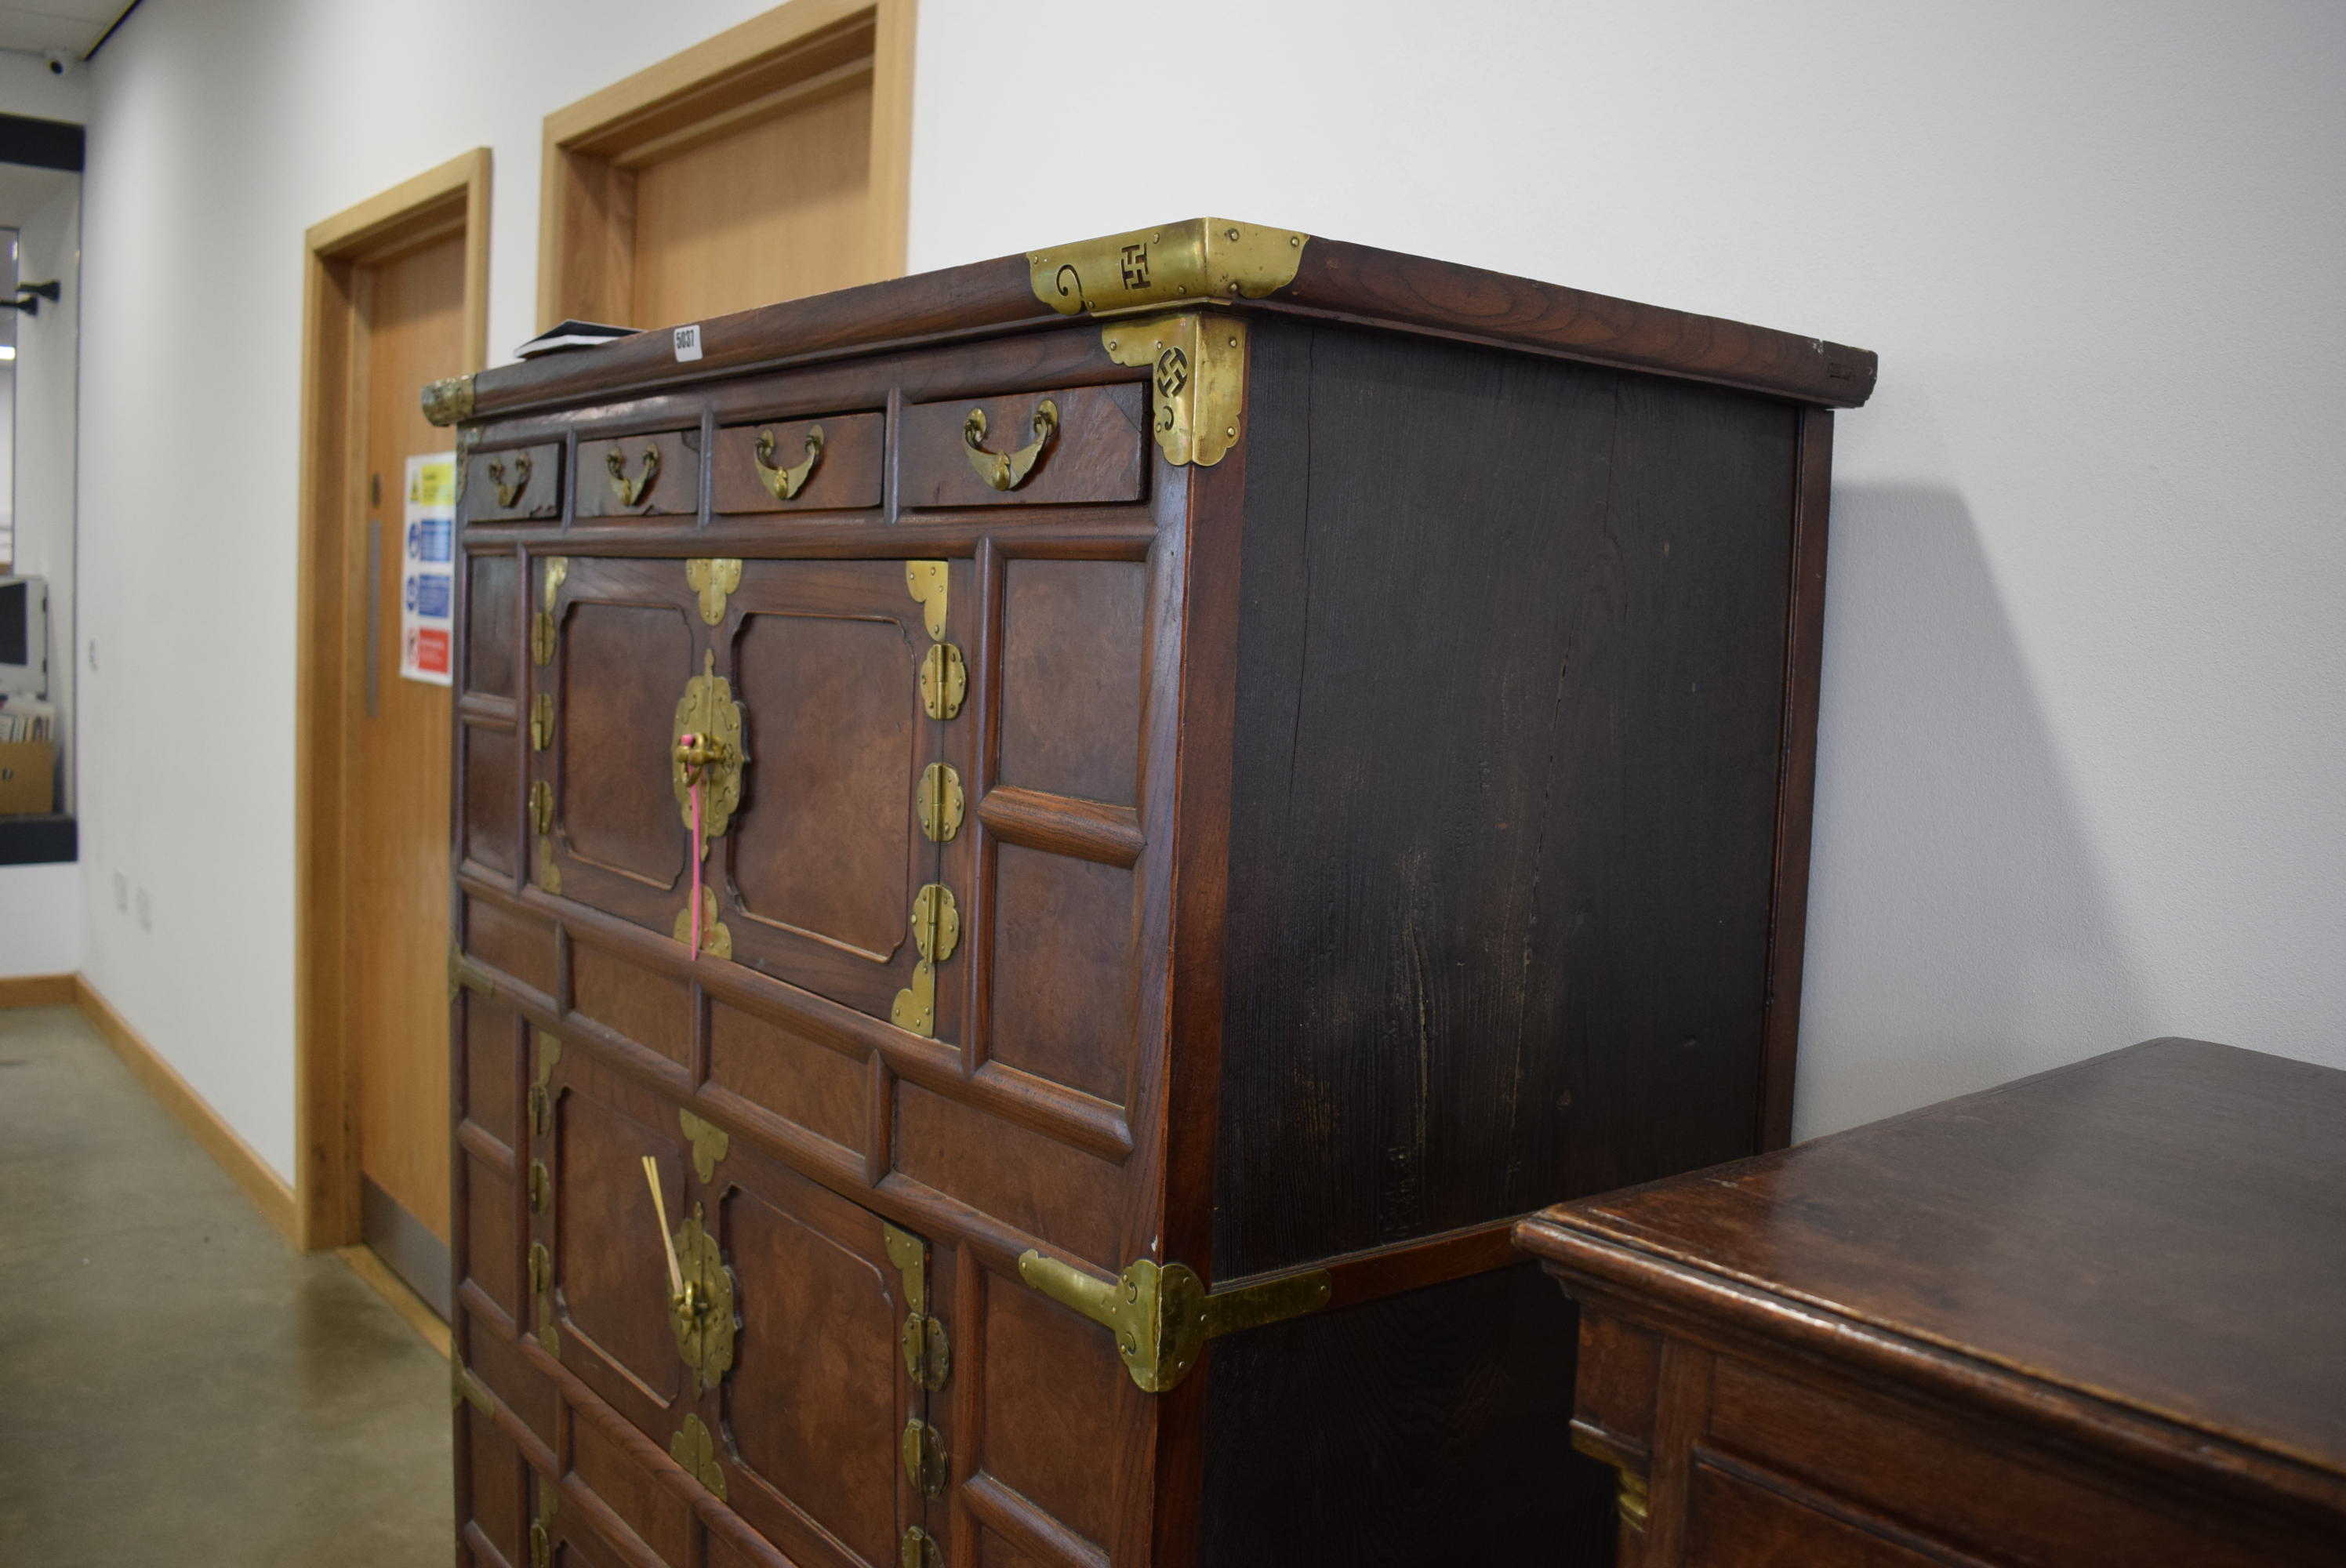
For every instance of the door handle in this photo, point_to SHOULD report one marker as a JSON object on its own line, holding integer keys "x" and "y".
{"x": 1008, "y": 470}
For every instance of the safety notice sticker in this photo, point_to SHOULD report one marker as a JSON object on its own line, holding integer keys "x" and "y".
{"x": 427, "y": 597}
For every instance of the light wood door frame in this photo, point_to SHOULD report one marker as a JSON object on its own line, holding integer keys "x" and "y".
{"x": 585, "y": 236}
{"x": 433, "y": 205}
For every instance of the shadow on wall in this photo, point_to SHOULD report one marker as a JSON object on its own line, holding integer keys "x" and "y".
{"x": 1960, "y": 929}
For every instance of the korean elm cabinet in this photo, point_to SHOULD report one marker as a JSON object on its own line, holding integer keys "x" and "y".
{"x": 1228, "y": 766}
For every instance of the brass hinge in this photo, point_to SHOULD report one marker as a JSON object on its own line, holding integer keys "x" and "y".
{"x": 1162, "y": 1317}
{"x": 549, "y": 870}
{"x": 928, "y": 1352}
{"x": 713, "y": 578}
{"x": 541, "y": 1532}
{"x": 541, "y": 1285}
{"x": 541, "y": 721}
{"x": 1197, "y": 376}
{"x": 927, "y": 582}
{"x": 694, "y": 1448}
{"x": 710, "y": 1144}
{"x": 541, "y": 1093}
{"x": 945, "y": 680}
{"x": 925, "y": 1461}
{"x": 541, "y": 624}
{"x": 541, "y": 1188}
{"x": 941, "y": 802}
{"x": 920, "y": 1550}
{"x": 936, "y": 932}
{"x": 1204, "y": 258}
{"x": 541, "y": 807}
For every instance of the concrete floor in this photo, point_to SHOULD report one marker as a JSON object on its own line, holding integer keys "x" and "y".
{"x": 177, "y": 1384}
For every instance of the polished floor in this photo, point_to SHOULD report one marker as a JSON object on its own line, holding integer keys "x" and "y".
{"x": 177, "y": 1384}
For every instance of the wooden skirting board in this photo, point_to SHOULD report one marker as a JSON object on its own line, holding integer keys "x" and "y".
{"x": 267, "y": 1190}
{"x": 413, "y": 1308}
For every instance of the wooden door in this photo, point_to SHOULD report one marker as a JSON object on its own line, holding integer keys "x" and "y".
{"x": 410, "y": 311}
{"x": 777, "y": 209}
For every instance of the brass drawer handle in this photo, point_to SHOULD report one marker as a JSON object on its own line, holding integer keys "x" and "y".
{"x": 630, "y": 492}
{"x": 784, "y": 483}
{"x": 1008, "y": 470}
{"x": 509, "y": 493}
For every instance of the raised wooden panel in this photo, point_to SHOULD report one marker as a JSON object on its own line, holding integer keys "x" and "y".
{"x": 497, "y": 1362}
{"x": 1735, "y": 1524}
{"x": 993, "y": 1551}
{"x": 610, "y": 1266}
{"x": 828, "y": 829}
{"x": 827, "y": 1093}
{"x": 814, "y": 1412}
{"x": 846, "y": 472}
{"x": 624, "y": 668}
{"x": 1022, "y": 1177}
{"x": 1064, "y": 976}
{"x": 648, "y": 1008}
{"x": 521, "y": 484}
{"x": 515, "y": 943}
{"x": 1058, "y": 1405}
{"x": 1072, "y": 639}
{"x": 495, "y": 1482}
{"x": 492, "y": 635}
{"x": 492, "y": 797}
{"x": 659, "y": 1518}
{"x": 492, "y": 1045}
{"x": 1096, "y": 453}
{"x": 492, "y": 1255}
{"x": 661, "y": 470}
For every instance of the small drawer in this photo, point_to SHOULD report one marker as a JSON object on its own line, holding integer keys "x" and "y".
{"x": 826, "y": 464}
{"x": 1090, "y": 448}
{"x": 517, "y": 485}
{"x": 654, "y": 475}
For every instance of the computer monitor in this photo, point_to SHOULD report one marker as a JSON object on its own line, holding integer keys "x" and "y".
{"x": 24, "y": 636}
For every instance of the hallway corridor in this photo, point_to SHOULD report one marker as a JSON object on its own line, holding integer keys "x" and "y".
{"x": 177, "y": 1384}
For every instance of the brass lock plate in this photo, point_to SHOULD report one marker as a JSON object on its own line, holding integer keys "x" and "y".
{"x": 702, "y": 1318}
{"x": 714, "y": 756}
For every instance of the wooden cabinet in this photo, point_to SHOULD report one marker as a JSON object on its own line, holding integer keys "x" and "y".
{"x": 1213, "y": 788}
{"x": 2089, "y": 1318}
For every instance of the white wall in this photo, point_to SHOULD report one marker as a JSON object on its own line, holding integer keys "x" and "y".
{"x": 2081, "y": 749}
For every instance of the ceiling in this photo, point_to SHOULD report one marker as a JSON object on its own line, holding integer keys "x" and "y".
{"x": 75, "y": 25}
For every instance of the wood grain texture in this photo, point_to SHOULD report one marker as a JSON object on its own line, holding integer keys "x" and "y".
{"x": 1509, "y": 888}
{"x": 1062, "y": 825}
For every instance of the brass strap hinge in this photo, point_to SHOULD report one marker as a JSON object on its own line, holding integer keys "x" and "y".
{"x": 928, "y": 1354}
{"x": 1162, "y": 1317}
{"x": 1197, "y": 379}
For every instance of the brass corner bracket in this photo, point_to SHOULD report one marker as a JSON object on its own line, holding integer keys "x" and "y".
{"x": 1201, "y": 259}
{"x": 1162, "y": 1317}
{"x": 1196, "y": 379}
{"x": 448, "y": 401}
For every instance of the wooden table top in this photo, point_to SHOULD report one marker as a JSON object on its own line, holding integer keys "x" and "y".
{"x": 2162, "y": 1228}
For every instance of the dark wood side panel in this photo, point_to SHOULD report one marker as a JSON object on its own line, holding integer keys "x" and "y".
{"x": 493, "y": 650}
{"x": 1420, "y": 1429}
{"x": 1504, "y": 790}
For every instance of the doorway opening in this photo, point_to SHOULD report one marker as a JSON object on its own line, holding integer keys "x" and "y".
{"x": 395, "y": 297}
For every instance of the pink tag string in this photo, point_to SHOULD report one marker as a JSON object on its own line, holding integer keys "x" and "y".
{"x": 698, "y": 848}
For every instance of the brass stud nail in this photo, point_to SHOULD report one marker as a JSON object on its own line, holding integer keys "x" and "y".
{"x": 1231, "y": 232}
{"x": 1296, "y": 240}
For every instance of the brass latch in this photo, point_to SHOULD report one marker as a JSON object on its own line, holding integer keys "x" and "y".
{"x": 1162, "y": 1317}
{"x": 700, "y": 1290}
{"x": 936, "y": 932}
{"x": 928, "y": 1354}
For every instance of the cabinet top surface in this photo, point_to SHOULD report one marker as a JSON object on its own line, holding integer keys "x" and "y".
{"x": 1180, "y": 266}
{"x": 2162, "y": 1226}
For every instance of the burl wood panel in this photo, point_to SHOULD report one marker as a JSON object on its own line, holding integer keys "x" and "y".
{"x": 1504, "y": 776}
{"x": 651, "y": 1009}
{"x": 1096, "y": 454}
{"x": 517, "y": 485}
{"x": 1066, "y": 975}
{"x": 607, "y": 1254}
{"x": 623, "y": 668}
{"x": 846, "y": 474}
{"x": 607, "y": 469}
{"x": 492, "y": 638}
{"x": 492, "y": 797}
{"x": 1072, "y": 639}
{"x": 658, "y": 1516}
{"x": 492, "y": 1038}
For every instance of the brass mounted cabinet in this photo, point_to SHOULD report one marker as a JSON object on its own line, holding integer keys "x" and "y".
{"x": 1099, "y": 825}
